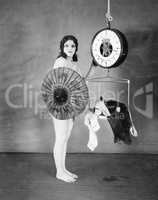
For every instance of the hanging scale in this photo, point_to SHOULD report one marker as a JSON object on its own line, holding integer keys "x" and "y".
{"x": 109, "y": 46}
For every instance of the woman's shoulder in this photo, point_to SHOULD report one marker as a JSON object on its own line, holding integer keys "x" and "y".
{"x": 59, "y": 62}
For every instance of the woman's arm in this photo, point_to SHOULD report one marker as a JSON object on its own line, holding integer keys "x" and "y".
{"x": 59, "y": 62}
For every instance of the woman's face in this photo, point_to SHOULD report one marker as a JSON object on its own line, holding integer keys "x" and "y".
{"x": 69, "y": 48}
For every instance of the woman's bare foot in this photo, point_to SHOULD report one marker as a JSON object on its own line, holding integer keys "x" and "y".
{"x": 71, "y": 174}
{"x": 65, "y": 177}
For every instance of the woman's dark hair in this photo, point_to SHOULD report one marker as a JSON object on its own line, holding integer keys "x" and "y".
{"x": 62, "y": 42}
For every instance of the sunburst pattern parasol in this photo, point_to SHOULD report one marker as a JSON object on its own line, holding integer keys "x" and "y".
{"x": 65, "y": 93}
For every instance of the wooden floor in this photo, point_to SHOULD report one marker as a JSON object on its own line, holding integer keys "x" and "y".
{"x": 101, "y": 177}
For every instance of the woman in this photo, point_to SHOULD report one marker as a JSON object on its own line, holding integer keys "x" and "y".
{"x": 67, "y": 58}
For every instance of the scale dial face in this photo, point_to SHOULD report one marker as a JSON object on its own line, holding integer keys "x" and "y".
{"x": 108, "y": 48}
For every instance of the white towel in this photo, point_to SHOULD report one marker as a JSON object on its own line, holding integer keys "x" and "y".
{"x": 91, "y": 121}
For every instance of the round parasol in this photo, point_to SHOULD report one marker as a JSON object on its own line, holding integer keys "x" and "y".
{"x": 65, "y": 93}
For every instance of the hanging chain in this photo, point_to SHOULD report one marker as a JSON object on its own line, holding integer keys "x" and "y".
{"x": 108, "y": 16}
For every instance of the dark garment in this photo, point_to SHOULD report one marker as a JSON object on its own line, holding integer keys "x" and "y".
{"x": 119, "y": 120}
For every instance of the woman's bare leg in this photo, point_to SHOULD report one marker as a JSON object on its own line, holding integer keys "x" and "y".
{"x": 70, "y": 126}
{"x": 61, "y": 127}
